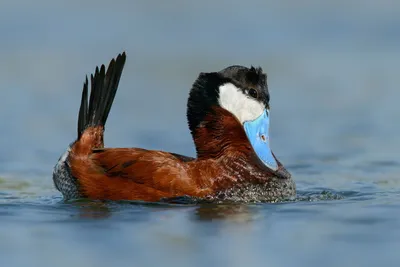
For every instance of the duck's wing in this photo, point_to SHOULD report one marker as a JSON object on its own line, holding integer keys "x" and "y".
{"x": 133, "y": 174}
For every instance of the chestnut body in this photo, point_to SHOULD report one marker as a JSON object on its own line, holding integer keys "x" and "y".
{"x": 226, "y": 167}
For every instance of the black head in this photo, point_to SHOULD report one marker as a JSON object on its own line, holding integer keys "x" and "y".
{"x": 210, "y": 90}
{"x": 251, "y": 79}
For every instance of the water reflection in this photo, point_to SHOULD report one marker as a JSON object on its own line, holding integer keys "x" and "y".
{"x": 230, "y": 212}
{"x": 202, "y": 211}
{"x": 91, "y": 209}
{"x": 241, "y": 213}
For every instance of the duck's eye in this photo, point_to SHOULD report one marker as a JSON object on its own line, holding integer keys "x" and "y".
{"x": 253, "y": 93}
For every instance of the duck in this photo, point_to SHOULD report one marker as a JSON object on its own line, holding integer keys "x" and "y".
{"x": 228, "y": 115}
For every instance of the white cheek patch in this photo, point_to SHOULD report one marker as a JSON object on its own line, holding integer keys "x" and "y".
{"x": 235, "y": 101}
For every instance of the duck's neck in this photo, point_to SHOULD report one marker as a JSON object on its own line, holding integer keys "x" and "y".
{"x": 220, "y": 135}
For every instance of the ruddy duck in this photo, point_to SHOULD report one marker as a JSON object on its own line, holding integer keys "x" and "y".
{"x": 228, "y": 115}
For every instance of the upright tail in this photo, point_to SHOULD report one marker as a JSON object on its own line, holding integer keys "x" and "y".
{"x": 103, "y": 89}
{"x": 92, "y": 118}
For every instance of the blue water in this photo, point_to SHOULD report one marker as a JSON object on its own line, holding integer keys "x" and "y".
{"x": 333, "y": 74}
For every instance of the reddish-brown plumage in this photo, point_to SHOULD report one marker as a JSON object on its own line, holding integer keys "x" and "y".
{"x": 220, "y": 134}
{"x": 139, "y": 174}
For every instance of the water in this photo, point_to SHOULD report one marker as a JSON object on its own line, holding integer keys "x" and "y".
{"x": 333, "y": 77}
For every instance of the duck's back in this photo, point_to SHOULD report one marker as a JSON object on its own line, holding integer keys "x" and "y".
{"x": 132, "y": 174}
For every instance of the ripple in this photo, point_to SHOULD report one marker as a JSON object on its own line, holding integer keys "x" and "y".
{"x": 323, "y": 194}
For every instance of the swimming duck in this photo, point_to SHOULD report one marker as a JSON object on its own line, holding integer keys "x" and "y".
{"x": 228, "y": 114}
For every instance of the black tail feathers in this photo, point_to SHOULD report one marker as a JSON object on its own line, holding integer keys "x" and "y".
{"x": 103, "y": 89}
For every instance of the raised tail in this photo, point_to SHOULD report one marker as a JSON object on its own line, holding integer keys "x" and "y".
{"x": 93, "y": 114}
{"x": 92, "y": 118}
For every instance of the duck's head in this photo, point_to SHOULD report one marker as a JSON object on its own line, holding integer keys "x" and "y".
{"x": 229, "y": 110}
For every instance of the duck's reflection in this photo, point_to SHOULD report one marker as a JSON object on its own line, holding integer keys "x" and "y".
{"x": 240, "y": 213}
{"x": 232, "y": 212}
{"x": 92, "y": 209}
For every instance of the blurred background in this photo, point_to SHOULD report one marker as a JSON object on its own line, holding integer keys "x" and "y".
{"x": 333, "y": 75}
